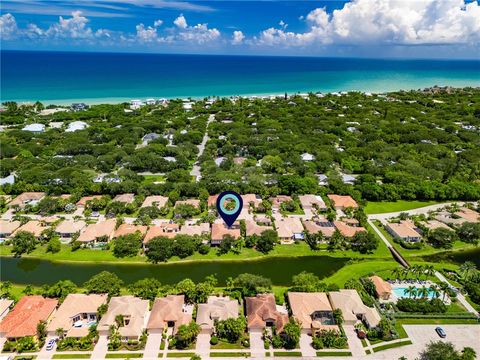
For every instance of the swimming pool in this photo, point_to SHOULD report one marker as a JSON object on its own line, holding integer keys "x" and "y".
{"x": 400, "y": 293}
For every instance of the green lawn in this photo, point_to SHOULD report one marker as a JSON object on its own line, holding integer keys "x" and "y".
{"x": 180, "y": 355}
{"x": 333, "y": 353}
{"x": 124, "y": 356}
{"x": 29, "y": 357}
{"x": 223, "y": 345}
{"x": 382, "y": 207}
{"x": 391, "y": 346}
{"x": 150, "y": 179}
{"x": 229, "y": 354}
{"x": 437, "y": 321}
{"x": 71, "y": 356}
{"x": 360, "y": 269}
{"x": 287, "y": 353}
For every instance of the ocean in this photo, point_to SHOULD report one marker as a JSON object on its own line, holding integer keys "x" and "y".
{"x": 65, "y": 77}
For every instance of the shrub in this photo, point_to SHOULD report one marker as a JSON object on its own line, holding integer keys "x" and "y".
{"x": 213, "y": 340}
{"x": 421, "y": 305}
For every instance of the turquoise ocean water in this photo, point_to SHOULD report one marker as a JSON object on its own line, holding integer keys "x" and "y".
{"x": 63, "y": 77}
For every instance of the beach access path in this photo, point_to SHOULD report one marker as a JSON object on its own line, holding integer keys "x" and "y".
{"x": 201, "y": 148}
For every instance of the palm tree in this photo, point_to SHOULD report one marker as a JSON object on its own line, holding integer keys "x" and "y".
{"x": 60, "y": 332}
{"x": 467, "y": 270}
{"x": 411, "y": 291}
{"x": 444, "y": 287}
{"x": 429, "y": 270}
{"x": 434, "y": 290}
{"x": 423, "y": 292}
{"x": 397, "y": 272}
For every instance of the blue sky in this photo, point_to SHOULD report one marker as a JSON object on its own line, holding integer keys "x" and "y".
{"x": 365, "y": 28}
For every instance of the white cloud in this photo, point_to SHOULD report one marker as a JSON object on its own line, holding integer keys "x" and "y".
{"x": 8, "y": 26}
{"x": 158, "y": 23}
{"x": 181, "y": 22}
{"x": 237, "y": 37}
{"x": 148, "y": 34}
{"x": 73, "y": 28}
{"x": 385, "y": 22}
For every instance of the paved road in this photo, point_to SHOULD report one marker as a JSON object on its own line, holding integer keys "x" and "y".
{"x": 379, "y": 233}
{"x": 417, "y": 211}
{"x": 460, "y": 296}
{"x": 201, "y": 148}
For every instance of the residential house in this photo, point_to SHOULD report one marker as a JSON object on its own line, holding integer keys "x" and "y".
{"x": 433, "y": 225}
{"x": 135, "y": 313}
{"x": 7, "y": 228}
{"x": 313, "y": 227}
{"x": 310, "y": 202}
{"x": 262, "y": 312}
{"x": 26, "y": 198}
{"x": 313, "y": 311}
{"x": 79, "y": 106}
{"x": 99, "y": 233}
{"x": 5, "y": 306}
{"x": 192, "y": 202}
{"x": 252, "y": 228}
{"x": 82, "y": 203}
{"x": 168, "y": 312}
{"x": 195, "y": 229}
{"x": 251, "y": 200}
{"x": 289, "y": 229}
{"x": 468, "y": 215}
{"x": 307, "y": 157}
{"x": 28, "y": 312}
{"x": 33, "y": 226}
{"x": 263, "y": 220}
{"x": 212, "y": 201}
{"x": 217, "y": 308}
{"x": 342, "y": 202}
{"x": 353, "y": 309}
{"x": 382, "y": 288}
{"x": 125, "y": 198}
{"x": 219, "y": 230}
{"x": 279, "y": 199}
{"x": 404, "y": 230}
{"x": 156, "y": 201}
{"x": 347, "y": 230}
{"x": 34, "y": 128}
{"x": 127, "y": 229}
{"x": 76, "y": 314}
{"x": 169, "y": 230}
{"x": 76, "y": 126}
{"x": 66, "y": 229}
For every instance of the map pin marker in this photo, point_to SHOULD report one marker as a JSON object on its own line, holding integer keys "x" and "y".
{"x": 228, "y": 211}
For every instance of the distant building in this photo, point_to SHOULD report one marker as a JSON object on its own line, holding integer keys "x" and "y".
{"x": 7, "y": 228}
{"x": 76, "y": 126}
{"x": 79, "y": 106}
{"x": 404, "y": 230}
{"x": 341, "y": 202}
{"x": 136, "y": 104}
{"x": 156, "y": 201}
{"x": 35, "y": 128}
{"x": 307, "y": 157}
{"x": 128, "y": 198}
{"x": 8, "y": 180}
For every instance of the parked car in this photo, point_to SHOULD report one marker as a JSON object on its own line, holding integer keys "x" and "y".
{"x": 441, "y": 332}
{"x": 50, "y": 344}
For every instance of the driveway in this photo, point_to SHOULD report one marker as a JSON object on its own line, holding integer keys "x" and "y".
{"x": 354, "y": 343}
{"x": 101, "y": 348}
{"x": 152, "y": 347}
{"x": 203, "y": 345}
{"x": 305, "y": 345}
{"x": 43, "y": 354}
{"x": 256, "y": 344}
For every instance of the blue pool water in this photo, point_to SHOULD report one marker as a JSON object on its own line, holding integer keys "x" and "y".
{"x": 400, "y": 293}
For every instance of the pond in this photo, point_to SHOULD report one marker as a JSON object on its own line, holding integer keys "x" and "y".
{"x": 458, "y": 257}
{"x": 279, "y": 269}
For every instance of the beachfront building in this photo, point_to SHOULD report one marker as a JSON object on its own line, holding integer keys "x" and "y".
{"x": 66, "y": 229}
{"x": 217, "y": 308}
{"x": 219, "y": 230}
{"x": 76, "y": 314}
{"x": 382, "y": 288}
{"x": 289, "y": 229}
{"x": 134, "y": 314}
{"x": 157, "y": 201}
{"x": 353, "y": 309}
{"x": 262, "y": 312}
{"x": 312, "y": 202}
{"x": 7, "y": 228}
{"x": 98, "y": 234}
{"x": 79, "y": 107}
{"x": 313, "y": 311}
{"x": 26, "y": 198}
{"x": 404, "y": 230}
{"x": 22, "y": 321}
{"x": 169, "y": 312}
{"x": 342, "y": 202}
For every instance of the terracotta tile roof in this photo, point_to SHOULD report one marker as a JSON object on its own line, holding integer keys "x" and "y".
{"x": 166, "y": 230}
{"x": 70, "y": 226}
{"x": 435, "y": 224}
{"x": 212, "y": 200}
{"x": 217, "y": 308}
{"x": 342, "y": 201}
{"x": 126, "y": 229}
{"x": 279, "y": 199}
{"x": 304, "y": 305}
{"x": 23, "y": 319}
{"x": 193, "y": 202}
{"x": 381, "y": 286}
{"x": 351, "y": 305}
{"x": 252, "y": 228}
{"x": 262, "y": 308}
{"x": 8, "y": 227}
{"x": 251, "y": 199}
{"x": 73, "y": 305}
{"x": 125, "y": 198}
{"x": 35, "y": 227}
{"x": 168, "y": 308}
{"x": 219, "y": 230}
{"x": 26, "y": 197}
{"x": 287, "y": 227}
{"x": 469, "y": 215}
{"x": 94, "y": 231}
{"x": 129, "y": 306}
{"x": 157, "y": 200}
{"x": 191, "y": 230}
{"x": 347, "y": 230}
{"x": 83, "y": 200}
{"x": 313, "y": 228}
{"x": 404, "y": 229}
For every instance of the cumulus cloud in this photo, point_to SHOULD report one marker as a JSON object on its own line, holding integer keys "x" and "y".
{"x": 157, "y": 23}
{"x": 385, "y": 22}
{"x": 237, "y": 37}
{"x": 74, "y": 27}
{"x": 8, "y": 26}
{"x": 181, "y": 22}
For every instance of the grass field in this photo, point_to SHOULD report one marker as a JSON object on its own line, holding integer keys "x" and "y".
{"x": 391, "y": 346}
{"x": 287, "y": 353}
{"x": 229, "y": 354}
{"x": 71, "y": 356}
{"x": 123, "y": 356}
{"x": 333, "y": 353}
{"x": 382, "y": 207}
{"x": 180, "y": 355}
{"x": 438, "y": 321}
